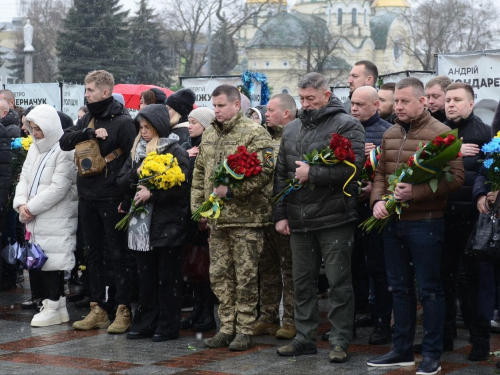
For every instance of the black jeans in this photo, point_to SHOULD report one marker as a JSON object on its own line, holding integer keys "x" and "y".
{"x": 368, "y": 261}
{"x": 98, "y": 220}
{"x": 47, "y": 284}
{"x": 160, "y": 291}
{"x": 457, "y": 230}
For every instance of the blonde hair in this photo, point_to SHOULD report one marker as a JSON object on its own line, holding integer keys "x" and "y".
{"x": 101, "y": 78}
{"x": 175, "y": 119}
{"x": 152, "y": 144}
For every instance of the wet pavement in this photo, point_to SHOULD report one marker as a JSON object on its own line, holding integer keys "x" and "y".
{"x": 61, "y": 350}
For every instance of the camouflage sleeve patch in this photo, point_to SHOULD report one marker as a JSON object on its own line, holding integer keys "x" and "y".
{"x": 269, "y": 158}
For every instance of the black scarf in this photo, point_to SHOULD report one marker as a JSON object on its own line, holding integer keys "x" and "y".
{"x": 97, "y": 109}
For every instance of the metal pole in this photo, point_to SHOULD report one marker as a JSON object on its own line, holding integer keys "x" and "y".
{"x": 209, "y": 59}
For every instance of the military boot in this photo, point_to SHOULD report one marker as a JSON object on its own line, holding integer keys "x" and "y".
{"x": 96, "y": 318}
{"x": 287, "y": 332}
{"x": 219, "y": 340}
{"x": 122, "y": 320}
{"x": 262, "y": 328}
{"x": 241, "y": 342}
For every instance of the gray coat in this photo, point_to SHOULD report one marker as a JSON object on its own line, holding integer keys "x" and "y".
{"x": 326, "y": 206}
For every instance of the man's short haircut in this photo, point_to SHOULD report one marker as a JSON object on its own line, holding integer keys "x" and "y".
{"x": 389, "y": 86}
{"x": 442, "y": 81}
{"x": 315, "y": 80}
{"x": 101, "y": 78}
{"x": 232, "y": 93}
{"x": 415, "y": 83}
{"x": 9, "y": 95}
{"x": 370, "y": 68}
{"x": 286, "y": 101}
{"x": 460, "y": 85}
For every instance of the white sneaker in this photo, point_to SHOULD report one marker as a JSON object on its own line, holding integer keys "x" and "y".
{"x": 63, "y": 311}
{"x": 48, "y": 315}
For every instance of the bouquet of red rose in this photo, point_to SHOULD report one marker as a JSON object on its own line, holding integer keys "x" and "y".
{"x": 368, "y": 171}
{"x": 428, "y": 165}
{"x": 338, "y": 151}
{"x": 232, "y": 172}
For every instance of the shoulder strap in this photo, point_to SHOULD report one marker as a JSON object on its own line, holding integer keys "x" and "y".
{"x": 113, "y": 155}
{"x": 41, "y": 167}
{"x": 91, "y": 124}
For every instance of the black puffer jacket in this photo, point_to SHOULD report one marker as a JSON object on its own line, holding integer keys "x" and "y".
{"x": 11, "y": 124}
{"x": 326, "y": 206}
{"x": 473, "y": 130}
{"x": 171, "y": 207}
{"x": 121, "y": 134}
{"x": 5, "y": 174}
{"x": 375, "y": 128}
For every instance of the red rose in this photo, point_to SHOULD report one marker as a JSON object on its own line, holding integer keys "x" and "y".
{"x": 448, "y": 141}
{"x": 335, "y": 141}
{"x": 423, "y": 154}
{"x": 411, "y": 161}
{"x": 341, "y": 153}
{"x": 438, "y": 141}
{"x": 258, "y": 169}
{"x": 230, "y": 158}
{"x": 459, "y": 154}
{"x": 248, "y": 172}
{"x": 346, "y": 143}
{"x": 373, "y": 176}
{"x": 368, "y": 164}
{"x": 378, "y": 157}
{"x": 351, "y": 156}
{"x": 239, "y": 170}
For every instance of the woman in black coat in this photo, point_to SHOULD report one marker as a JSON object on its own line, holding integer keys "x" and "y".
{"x": 202, "y": 317}
{"x": 159, "y": 264}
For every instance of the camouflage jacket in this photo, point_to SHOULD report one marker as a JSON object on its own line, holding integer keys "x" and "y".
{"x": 250, "y": 207}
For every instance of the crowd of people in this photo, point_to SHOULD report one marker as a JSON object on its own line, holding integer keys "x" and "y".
{"x": 260, "y": 255}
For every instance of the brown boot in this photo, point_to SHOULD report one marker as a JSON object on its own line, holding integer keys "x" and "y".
{"x": 97, "y": 318}
{"x": 287, "y": 332}
{"x": 122, "y": 320}
{"x": 263, "y": 328}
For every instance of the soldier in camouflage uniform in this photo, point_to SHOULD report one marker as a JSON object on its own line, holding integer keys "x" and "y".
{"x": 236, "y": 238}
{"x": 275, "y": 263}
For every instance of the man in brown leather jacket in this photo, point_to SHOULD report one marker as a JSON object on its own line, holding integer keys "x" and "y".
{"x": 413, "y": 244}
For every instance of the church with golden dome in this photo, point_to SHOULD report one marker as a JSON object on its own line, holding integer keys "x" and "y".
{"x": 324, "y": 35}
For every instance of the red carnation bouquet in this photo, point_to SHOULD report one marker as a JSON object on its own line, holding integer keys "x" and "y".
{"x": 339, "y": 150}
{"x": 428, "y": 165}
{"x": 232, "y": 172}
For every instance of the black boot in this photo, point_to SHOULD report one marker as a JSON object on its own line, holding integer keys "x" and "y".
{"x": 189, "y": 321}
{"x": 206, "y": 322}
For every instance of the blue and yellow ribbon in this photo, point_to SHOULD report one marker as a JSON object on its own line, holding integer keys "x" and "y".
{"x": 231, "y": 172}
{"x": 214, "y": 211}
{"x": 425, "y": 167}
{"x": 398, "y": 206}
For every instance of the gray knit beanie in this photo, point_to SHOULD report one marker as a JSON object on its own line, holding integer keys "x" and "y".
{"x": 203, "y": 115}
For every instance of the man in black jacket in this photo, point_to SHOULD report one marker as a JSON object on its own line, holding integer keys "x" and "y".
{"x": 460, "y": 216}
{"x": 435, "y": 91}
{"x": 100, "y": 200}
{"x": 9, "y": 119}
{"x": 321, "y": 221}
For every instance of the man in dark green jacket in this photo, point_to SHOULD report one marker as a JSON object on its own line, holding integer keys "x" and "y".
{"x": 321, "y": 221}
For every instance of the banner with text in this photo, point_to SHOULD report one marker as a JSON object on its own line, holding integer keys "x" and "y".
{"x": 36, "y": 93}
{"x": 203, "y": 88}
{"x": 73, "y": 99}
{"x": 481, "y": 70}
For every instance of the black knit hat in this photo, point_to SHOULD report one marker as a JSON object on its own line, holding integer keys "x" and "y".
{"x": 160, "y": 96}
{"x": 182, "y": 101}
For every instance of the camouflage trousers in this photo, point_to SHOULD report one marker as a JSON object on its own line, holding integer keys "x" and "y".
{"x": 234, "y": 254}
{"x": 275, "y": 271}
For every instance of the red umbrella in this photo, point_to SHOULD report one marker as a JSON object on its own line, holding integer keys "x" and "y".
{"x": 132, "y": 93}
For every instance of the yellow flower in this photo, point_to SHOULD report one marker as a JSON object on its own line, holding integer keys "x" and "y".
{"x": 26, "y": 142}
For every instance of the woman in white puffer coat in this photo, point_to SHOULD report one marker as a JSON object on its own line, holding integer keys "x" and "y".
{"x": 47, "y": 202}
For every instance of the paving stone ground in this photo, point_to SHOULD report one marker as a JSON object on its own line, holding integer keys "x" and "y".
{"x": 61, "y": 350}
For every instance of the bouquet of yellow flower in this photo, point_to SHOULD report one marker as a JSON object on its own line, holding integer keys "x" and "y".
{"x": 158, "y": 171}
{"x": 19, "y": 148}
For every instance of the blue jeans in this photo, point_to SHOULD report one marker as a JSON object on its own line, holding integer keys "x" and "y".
{"x": 414, "y": 247}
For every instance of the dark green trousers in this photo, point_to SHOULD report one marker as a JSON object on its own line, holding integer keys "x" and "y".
{"x": 334, "y": 246}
